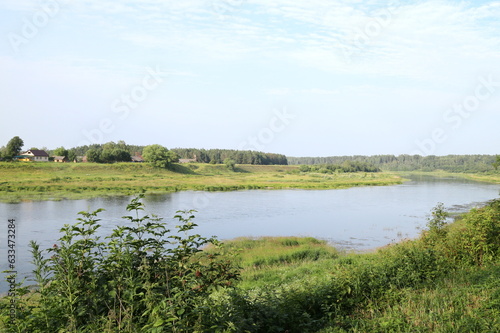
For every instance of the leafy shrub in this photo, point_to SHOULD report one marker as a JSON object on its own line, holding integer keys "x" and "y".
{"x": 142, "y": 278}
{"x": 474, "y": 239}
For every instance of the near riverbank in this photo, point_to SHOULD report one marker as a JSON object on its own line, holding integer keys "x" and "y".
{"x": 58, "y": 181}
{"x": 447, "y": 280}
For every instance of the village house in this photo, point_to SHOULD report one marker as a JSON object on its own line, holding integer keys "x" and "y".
{"x": 60, "y": 159}
{"x": 34, "y": 155}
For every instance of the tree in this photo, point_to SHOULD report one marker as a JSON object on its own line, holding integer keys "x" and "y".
{"x": 109, "y": 146}
{"x": 158, "y": 156}
{"x": 94, "y": 155}
{"x": 122, "y": 145}
{"x": 174, "y": 157}
{"x": 121, "y": 155}
{"x": 230, "y": 163}
{"x": 71, "y": 155}
{"x": 61, "y": 151}
{"x": 13, "y": 148}
{"x": 497, "y": 163}
{"x": 3, "y": 149}
{"x": 107, "y": 156}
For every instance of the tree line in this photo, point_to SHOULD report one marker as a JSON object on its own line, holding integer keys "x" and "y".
{"x": 218, "y": 156}
{"x": 120, "y": 151}
{"x": 451, "y": 163}
{"x": 346, "y": 166}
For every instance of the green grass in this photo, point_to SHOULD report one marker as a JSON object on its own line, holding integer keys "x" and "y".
{"x": 270, "y": 260}
{"x": 57, "y": 181}
{"x": 468, "y": 300}
{"x": 488, "y": 177}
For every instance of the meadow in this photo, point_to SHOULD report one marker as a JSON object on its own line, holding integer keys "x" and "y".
{"x": 56, "y": 181}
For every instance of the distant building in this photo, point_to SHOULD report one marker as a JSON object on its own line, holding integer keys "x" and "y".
{"x": 188, "y": 160}
{"x": 34, "y": 155}
{"x": 137, "y": 158}
{"x": 60, "y": 159}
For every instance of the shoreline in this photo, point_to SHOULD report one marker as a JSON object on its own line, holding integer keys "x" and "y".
{"x": 28, "y": 182}
{"x": 55, "y": 182}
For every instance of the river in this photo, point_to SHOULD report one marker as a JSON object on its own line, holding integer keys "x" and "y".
{"x": 356, "y": 218}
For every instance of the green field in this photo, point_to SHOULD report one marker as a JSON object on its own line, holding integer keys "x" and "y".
{"x": 56, "y": 181}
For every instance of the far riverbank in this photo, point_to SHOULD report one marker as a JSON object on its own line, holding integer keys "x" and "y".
{"x": 60, "y": 181}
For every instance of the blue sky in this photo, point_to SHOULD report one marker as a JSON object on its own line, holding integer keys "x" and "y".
{"x": 302, "y": 78}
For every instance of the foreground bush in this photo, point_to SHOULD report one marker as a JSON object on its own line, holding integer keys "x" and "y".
{"x": 474, "y": 239}
{"x": 142, "y": 278}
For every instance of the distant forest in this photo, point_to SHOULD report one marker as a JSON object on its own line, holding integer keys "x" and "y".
{"x": 239, "y": 156}
{"x": 452, "y": 163}
{"x": 346, "y": 166}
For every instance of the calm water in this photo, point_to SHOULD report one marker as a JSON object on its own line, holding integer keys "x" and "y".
{"x": 359, "y": 218}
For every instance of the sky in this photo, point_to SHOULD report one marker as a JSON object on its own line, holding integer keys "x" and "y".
{"x": 301, "y": 78}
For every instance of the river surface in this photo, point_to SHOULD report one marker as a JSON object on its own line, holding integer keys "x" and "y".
{"x": 357, "y": 218}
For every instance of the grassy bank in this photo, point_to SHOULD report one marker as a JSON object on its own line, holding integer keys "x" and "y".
{"x": 447, "y": 280}
{"x": 56, "y": 181}
{"x": 492, "y": 177}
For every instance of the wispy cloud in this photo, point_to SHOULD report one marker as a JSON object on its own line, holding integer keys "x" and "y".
{"x": 421, "y": 40}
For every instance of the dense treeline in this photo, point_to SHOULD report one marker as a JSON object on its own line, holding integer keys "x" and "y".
{"x": 131, "y": 149}
{"x": 217, "y": 156}
{"x": 347, "y": 166}
{"x": 452, "y": 163}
